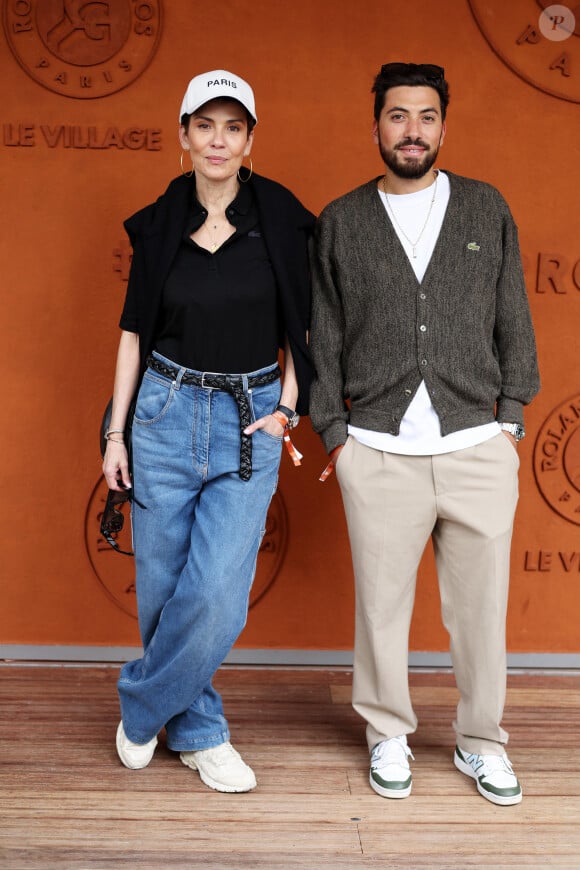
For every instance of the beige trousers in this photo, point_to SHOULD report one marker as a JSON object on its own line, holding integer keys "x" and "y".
{"x": 466, "y": 501}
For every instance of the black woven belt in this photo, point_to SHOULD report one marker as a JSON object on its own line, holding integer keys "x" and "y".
{"x": 232, "y": 384}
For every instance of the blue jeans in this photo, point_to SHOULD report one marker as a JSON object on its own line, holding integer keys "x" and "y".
{"x": 197, "y": 529}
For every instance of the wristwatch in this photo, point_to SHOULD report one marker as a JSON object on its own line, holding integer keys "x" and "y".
{"x": 292, "y": 417}
{"x": 515, "y": 429}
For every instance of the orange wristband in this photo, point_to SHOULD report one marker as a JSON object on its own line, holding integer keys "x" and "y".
{"x": 281, "y": 418}
{"x": 330, "y": 467}
{"x": 295, "y": 455}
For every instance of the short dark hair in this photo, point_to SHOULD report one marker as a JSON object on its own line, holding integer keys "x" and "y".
{"x": 393, "y": 75}
{"x": 185, "y": 118}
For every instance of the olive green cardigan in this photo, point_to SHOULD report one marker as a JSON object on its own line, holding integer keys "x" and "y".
{"x": 477, "y": 352}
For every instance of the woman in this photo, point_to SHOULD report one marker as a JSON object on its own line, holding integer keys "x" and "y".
{"x": 219, "y": 281}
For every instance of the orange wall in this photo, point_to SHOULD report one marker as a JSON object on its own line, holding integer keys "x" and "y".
{"x": 65, "y": 192}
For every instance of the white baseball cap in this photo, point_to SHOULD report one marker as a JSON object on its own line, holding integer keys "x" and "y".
{"x": 217, "y": 83}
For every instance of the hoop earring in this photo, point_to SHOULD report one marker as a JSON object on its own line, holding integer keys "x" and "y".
{"x": 245, "y": 180}
{"x": 183, "y": 172}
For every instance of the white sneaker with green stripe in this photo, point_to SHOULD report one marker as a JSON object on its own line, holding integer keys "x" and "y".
{"x": 390, "y": 775}
{"x": 493, "y": 775}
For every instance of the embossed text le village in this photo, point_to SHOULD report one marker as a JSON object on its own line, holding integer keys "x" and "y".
{"x": 82, "y": 136}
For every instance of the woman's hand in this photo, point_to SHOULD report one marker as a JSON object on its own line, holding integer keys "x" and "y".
{"x": 269, "y": 424}
{"x": 116, "y": 466}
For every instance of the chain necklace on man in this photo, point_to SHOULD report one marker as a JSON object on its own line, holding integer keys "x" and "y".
{"x": 399, "y": 227}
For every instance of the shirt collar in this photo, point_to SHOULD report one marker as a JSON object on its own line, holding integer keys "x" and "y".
{"x": 236, "y": 211}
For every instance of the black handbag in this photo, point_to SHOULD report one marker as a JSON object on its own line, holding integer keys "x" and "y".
{"x": 112, "y": 519}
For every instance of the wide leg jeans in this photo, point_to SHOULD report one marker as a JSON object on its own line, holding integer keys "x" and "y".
{"x": 197, "y": 529}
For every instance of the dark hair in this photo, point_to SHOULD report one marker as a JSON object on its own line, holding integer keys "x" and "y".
{"x": 393, "y": 75}
{"x": 185, "y": 118}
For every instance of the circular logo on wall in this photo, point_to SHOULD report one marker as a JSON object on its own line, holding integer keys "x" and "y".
{"x": 116, "y": 572}
{"x": 557, "y": 460}
{"x": 537, "y": 40}
{"x": 83, "y": 49}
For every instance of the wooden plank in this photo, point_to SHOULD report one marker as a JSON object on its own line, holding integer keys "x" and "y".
{"x": 481, "y": 842}
{"x": 196, "y": 835}
{"x": 285, "y": 810}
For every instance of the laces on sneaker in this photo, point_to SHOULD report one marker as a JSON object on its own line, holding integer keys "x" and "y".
{"x": 223, "y": 754}
{"x": 485, "y": 765}
{"x": 389, "y": 751}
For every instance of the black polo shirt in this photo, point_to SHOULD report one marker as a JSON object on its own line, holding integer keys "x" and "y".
{"x": 219, "y": 311}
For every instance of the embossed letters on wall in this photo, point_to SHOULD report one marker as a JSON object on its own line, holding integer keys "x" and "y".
{"x": 21, "y": 135}
{"x": 514, "y": 32}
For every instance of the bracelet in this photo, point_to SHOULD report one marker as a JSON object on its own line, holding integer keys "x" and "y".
{"x": 281, "y": 418}
{"x": 111, "y": 431}
{"x": 116, "y": 440}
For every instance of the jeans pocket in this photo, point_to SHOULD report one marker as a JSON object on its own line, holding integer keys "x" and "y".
{"x": 155, "y": 396}
{"x": 263, "y": 401}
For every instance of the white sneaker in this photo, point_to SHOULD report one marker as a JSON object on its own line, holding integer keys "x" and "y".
{"x": 390, "y": 775}
{"x": 135, "y": 756}
{"x": 221, "y": 767}
{"x": 493, "y": 775}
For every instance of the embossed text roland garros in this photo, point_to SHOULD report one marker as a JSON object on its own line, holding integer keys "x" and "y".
{"x": 83, "y": 50}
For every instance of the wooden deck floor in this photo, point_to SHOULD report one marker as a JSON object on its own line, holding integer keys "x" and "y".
{"x": 66, "y": 802}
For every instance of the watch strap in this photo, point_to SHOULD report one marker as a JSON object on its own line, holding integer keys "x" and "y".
{"x": 515, "y": 429}
{"x": 291, "y": 416}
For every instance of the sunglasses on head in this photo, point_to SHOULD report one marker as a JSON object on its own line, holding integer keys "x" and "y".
{"x": 429, "y": 70}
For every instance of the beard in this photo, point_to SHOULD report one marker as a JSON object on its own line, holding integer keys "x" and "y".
{"x": 409, "y": 167}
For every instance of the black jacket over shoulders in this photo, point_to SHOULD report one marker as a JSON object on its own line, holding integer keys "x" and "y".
{"x": 155, "y": 233}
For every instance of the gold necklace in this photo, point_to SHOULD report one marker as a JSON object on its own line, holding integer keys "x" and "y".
{"x": 226, "y": 231}
{"x": 214, "y": 245}
{"x": 399, "y": 227}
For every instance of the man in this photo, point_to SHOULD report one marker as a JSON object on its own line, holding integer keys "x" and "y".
{"x": 425, "y": 355}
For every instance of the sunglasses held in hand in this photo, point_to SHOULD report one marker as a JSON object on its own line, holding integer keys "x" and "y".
{"x": 113, "y": 518}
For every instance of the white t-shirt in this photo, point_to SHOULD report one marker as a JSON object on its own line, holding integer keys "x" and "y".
{"x": 420, "y": 433}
